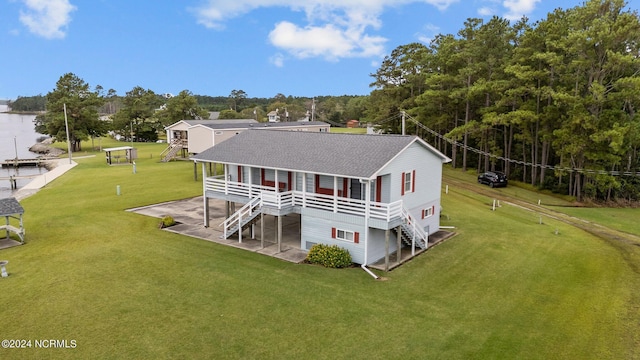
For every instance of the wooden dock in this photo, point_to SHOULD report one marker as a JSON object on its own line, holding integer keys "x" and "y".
{"x": 13, "y": 180}
{"x": 24, "y": 162}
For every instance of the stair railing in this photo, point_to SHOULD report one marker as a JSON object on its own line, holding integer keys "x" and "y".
{"x": 416, "y": 230}
{"x": 235, "y": 220}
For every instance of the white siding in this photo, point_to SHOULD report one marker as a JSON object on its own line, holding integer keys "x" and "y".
{"x": 200, "y": 139}
{"x": 428, "y": 182}
{"x": 377, "y": 240}
{"x": 317, "y": 230}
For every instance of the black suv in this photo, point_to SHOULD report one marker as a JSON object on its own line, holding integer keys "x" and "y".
{"x": 493, "y": 179}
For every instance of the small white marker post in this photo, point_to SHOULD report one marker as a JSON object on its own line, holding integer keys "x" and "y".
{"x": 494, "y": 205}
{"x": 2, "y": 267}
{"x": 446, "y": 189}
{"x": 118, "y": 190}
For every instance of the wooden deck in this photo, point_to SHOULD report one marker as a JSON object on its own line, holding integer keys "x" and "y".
{"x": 25, "y": 162}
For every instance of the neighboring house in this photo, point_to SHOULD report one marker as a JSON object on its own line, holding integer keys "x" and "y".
{"x": 195, "y": 136}
{"x": 356, "y": 191}
{"x": 273, "y": 116}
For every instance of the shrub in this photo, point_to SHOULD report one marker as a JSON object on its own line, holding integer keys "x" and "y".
{"x": 167, "y": 221}
{"x": 331, "y": 256}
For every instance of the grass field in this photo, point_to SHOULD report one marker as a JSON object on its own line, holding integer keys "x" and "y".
{"x": 505, "y": 287}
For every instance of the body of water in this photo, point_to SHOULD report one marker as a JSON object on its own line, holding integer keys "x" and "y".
{"x": 17, "y": 135}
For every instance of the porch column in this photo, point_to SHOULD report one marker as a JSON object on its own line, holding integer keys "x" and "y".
{"x": 399, "y": 238}
{"x": 304, "y": 189}
{"x": 226, "y": 179}
{"x": 367, "y": 213}
{"x": 205, "y": 198}
{"x": 386, "y": 250}
{"x": 335, "y": 194}
{"x": 250, "y": 179}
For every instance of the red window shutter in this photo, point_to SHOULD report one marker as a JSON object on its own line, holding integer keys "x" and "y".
{"x": 345, "y": 187}
{"x": 239, "y": 173}
{"x": 379, "y": 189}
{"x": 413, "y": 181}
{"x": 356, "y": 238}
{"x": 402, "y": 186}
{"x": 423, "y": 213}
{"x": 262, "y": 176}
{"x": 333, "y": 233}
{"x": 433, "y": 210}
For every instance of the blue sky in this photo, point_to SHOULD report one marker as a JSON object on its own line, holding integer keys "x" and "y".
{"x": 211, "y": 47}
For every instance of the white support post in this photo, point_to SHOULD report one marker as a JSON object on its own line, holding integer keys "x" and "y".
{"x": 240, "y": 227}
{"x": 204, "y": 196}
{"x": 304, "y": 190}
{"x": 386, "y": 250}
{"x": 367, "y": 213}
{"x": 226, "y": 179}
{"x": 335, "y": 194}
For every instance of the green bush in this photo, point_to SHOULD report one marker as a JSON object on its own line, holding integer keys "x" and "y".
{"x": 167, "y": 221}
{"x": 331, "y": 256}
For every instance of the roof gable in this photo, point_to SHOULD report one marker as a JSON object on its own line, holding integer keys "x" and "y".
{"x": 350, "y": 155}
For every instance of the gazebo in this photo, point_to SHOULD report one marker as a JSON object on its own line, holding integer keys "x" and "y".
{"x": 127, "y": 153}
{"x": 11, "y": 208}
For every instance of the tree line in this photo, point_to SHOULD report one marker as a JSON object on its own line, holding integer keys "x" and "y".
{"x": 561, "y": 92}
{"x": 141, "y": 114}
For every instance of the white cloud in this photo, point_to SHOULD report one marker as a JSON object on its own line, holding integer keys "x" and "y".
{"x": 47, "y": 18}
{"x": 333, "y": 29}
{"x": 277, "y": 60}
{"x": 485, "y": 11}
{"x": 518, "y": 8}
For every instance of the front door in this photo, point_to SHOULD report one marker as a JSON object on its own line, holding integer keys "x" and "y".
{"x": 356, "y": 190}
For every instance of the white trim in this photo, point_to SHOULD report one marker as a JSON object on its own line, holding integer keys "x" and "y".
{"x": 345, "y": 235}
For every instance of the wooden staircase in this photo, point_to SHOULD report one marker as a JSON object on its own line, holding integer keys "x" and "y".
{"x": 172, "y": 150}
{"x": 411, "y": 232}
{"x": 241, "y": 219}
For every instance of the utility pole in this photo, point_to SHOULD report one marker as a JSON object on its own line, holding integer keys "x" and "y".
{"x": 403, "y": 122}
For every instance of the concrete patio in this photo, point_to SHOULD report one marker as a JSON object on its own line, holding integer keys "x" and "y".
{"x": 189, "y": 213}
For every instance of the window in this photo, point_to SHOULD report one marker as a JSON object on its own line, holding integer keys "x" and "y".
{"x": 345, "y": 235}
{"x": 408, "y": 182}
{"x": 428, "y": 212}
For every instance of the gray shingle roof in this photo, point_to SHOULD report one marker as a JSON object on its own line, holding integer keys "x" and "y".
{"x": 10, "y": 206}
{"x": 351, "y": 155}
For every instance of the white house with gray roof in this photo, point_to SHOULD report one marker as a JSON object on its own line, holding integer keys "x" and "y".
{"x": 195, "y": 136}
{"x": 368, "y": 194}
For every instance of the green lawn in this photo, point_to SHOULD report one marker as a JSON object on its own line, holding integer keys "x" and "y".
{"x": 626, "y": 219}
{"x": 504, "y": 287}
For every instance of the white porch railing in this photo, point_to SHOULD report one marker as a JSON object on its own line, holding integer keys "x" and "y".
{"x": 281, "y": 200}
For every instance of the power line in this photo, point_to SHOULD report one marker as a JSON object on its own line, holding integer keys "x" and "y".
{"x": 513, "y": 161}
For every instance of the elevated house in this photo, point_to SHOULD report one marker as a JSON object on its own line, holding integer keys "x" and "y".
{"x": 194, "y": 136}
{"x": 366, "y": 193}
